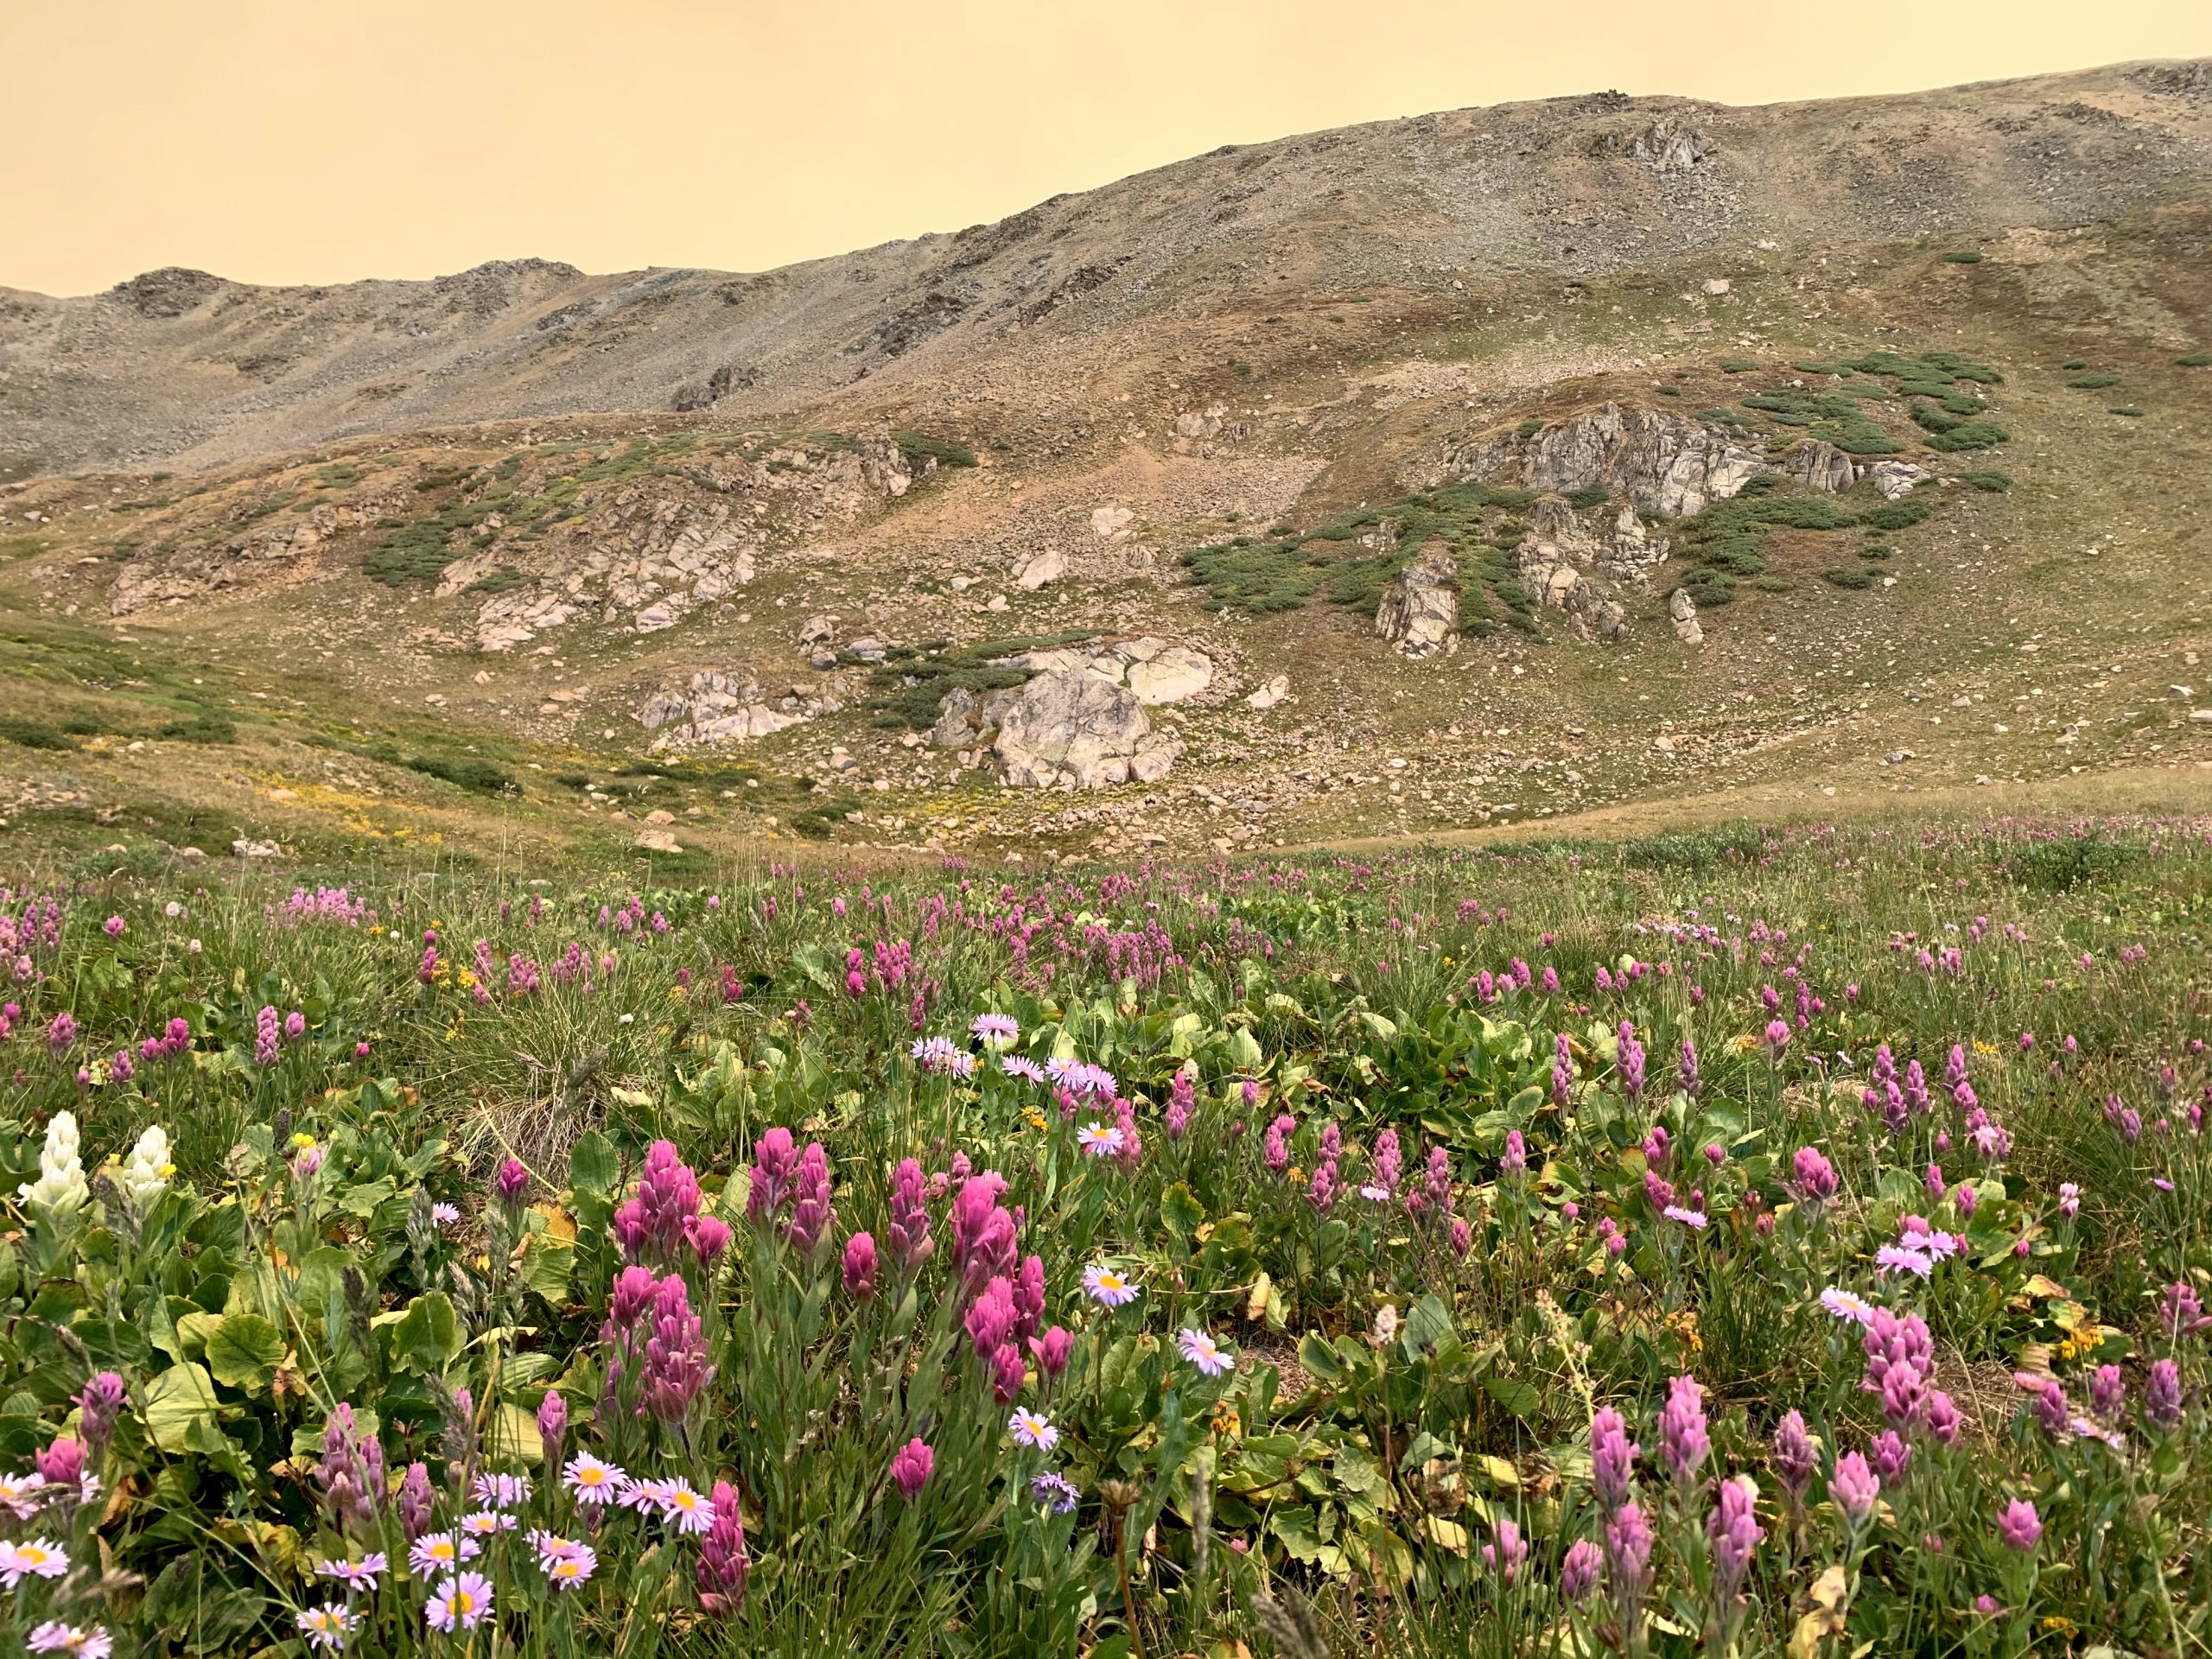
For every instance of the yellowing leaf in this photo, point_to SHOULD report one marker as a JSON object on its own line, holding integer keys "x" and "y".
{"x": 177, "y": 1400}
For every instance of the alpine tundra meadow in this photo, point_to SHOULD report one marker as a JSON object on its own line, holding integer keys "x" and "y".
{"x": 1727, "y": 1242}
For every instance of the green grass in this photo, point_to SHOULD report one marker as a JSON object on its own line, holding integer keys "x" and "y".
{"x": 2093, "y": 382}
{"x": 1845, "y": 576}
{"x": 2194, "y": 360}
{"x": 1993, "y": 483}
{"x": 1963, "y": 258}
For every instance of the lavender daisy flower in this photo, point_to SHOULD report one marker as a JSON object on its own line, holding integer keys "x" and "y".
{"x": 1032, "y": 1429}
{"x": 1099, "y": 1140}
{"x": 1056, "y": 1492}
{"x": 327, "y": 1626}
{"x": 362, "y": 1574}
{"x": 1109, "y": 1287}
{"x": 995, "y": 1029}
{"x": 1203, "y": 1352}
{"x": 687, "y": 1510}
{"x": 1846, "y": 1304}
{"x": 592, "y": 1482}
{"x": 501, "y": 1491}
{"x": 464, "y": 1602}
{"x": 436, "y": 1551}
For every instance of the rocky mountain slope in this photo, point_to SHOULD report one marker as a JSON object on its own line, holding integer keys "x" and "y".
{"x": 182, "y": 368}
{"x": 1487, "y": 468}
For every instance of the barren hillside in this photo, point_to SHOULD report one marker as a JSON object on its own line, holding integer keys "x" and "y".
{"x": 180, "y": 367}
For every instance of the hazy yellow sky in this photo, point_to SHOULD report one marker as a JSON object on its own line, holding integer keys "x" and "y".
{"x": 322, "y": 139}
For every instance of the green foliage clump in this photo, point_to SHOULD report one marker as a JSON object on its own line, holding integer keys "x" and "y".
{"x": 2065, "y": 862}
{"x": 1257, "y": 577}
{"x": 2131, "y": 410}
{"x": 1471, "y": 519}
{"x": 1844, "y": 575}
{"x": 1596, "y": 496}
{"x": 206, "y": 726}
{"x": 1708, "y": 586}
{"x": 1739, "y": 364}
{"x": 470, "y": 772}
{"x": 27, "y": 733}
{"x": 2194, "y": 360}
{"x": 1876, "y": 551}
{"x": 1833, "y": 415}
{"x": 1896, "y": 515}
{"x": 500, "y": 581}
{"x": 1995, "y": 483}
{"x": 1969, "y": 435}
{"x": 920, "y": 446}
{"x": 905, "y": 689}
{"x": 1804, "y": 513}
{"x": 2093, "y": 382}
{"x": 1963, "y": 258}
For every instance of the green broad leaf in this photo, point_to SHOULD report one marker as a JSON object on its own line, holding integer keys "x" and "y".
{"x": 593, "y": 1166}
{"x": 322, "y": 1283}
{"x": 546, "y": 1264}
{"x": 179, "y": 1401}
{"x": 1244, "y": 1054}
{"x": 194, "y": 1330}
{"x": 512, "y": 1436}
{"x": 1515, "y": 1395}
{"x": 426, "y": 1337}
{"x": 1181, "y": 1213}
{"x": 1427, "y": 1323}
{"x": 1383, "y": 1028}
{"x": 243, "y": 1351}
{"x": 1320, "y": 1360}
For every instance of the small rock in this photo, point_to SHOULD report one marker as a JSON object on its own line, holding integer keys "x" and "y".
{"x": 659, "y": 841}
{"x": 1040, "y": 570}
{"x": 1270, "y": 694}
{"x": 1683, "y": 609}
{"x": 1716, "y": 285}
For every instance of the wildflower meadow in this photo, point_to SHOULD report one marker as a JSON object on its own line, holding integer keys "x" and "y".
{"x": 1730, "y": 1243}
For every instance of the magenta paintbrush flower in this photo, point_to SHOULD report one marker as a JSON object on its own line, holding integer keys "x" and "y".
{"x": 1612, "y": 1459}
{"x": 1854, "y": 1488}
{"x": 724, "y": 1563}
{"x": 1683, "y": 1441}
{"x": 910, "y": 1468}
{"x": 2020, "y": 1527}
{"x": 860, "y": 1267}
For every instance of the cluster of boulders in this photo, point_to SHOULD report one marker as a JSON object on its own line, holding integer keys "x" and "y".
{"x": 199, "y": 567}
{"x": 1078, "y": 721}
{"x": 717, "y": 706}
{"x": 650, "y": 558}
